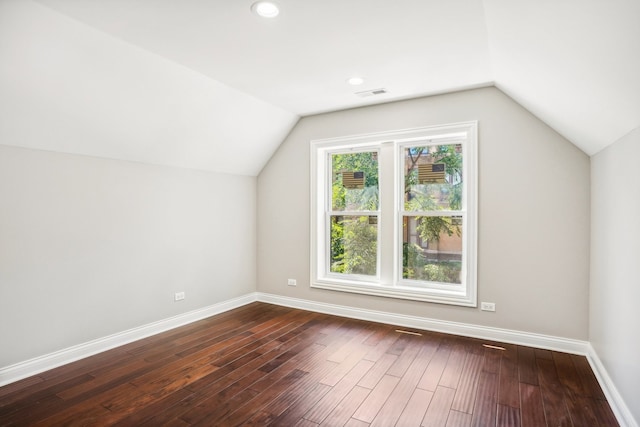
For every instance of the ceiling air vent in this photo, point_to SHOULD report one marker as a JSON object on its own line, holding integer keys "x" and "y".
{"x": 371, "y": 92}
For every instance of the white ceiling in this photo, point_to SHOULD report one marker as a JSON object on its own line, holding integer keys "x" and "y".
{"x": 207, "y": 84}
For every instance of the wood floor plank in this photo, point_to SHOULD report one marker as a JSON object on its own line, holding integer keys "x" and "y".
{"x": 458, "y": 419}
{"x": 553, "y": 393}
{"x": 220, "y": 408}
{"x": 333, "y": 327}
{"x": 384, "y": 344}
{"x": 452, "y": 371}
{"x": 331, "y": 342}
{"x": 466, "y": 391}
{"x": 508, "y": 416}
{"x": 169, "y": 413}
{"x": 492, "y": 360}
{"x": 368, "y": 410}
{"x": 485, "y": 409}
{"x": 603, "y": 412}
{"x": 218, "y": 400}
{"x": 339, "y": 372}
{"x": 248, "y": 327}
{"x": 85, "y": 366}
{"x": 263, "y": 364}
{"x": 20, "y": 385}
{"x": 86, "y": 416}
{"x": 532, "y": 411}
{"x": 187, "y": 343}
{"x": 407, "y": 356}
{"x": 541, "y": 353}
{"x": 26, "y": 397}
{"x": 298, "y": 409}
{"x": 394, "y": 406}
{"x": 305, "y": 423}
{"x": 400, "y": 344}
{"x": 587, "y": 377}
{"x": 114, "y": 378}
{"x": 259, "y": 341}
{"x": 224, "y": 324}
{"x": 357, "y": 341}
{"x": 345, "y": 409}
{"x": 250, "y": 339}
{"x": 191, "y": 362}
{"x": 280, "y": 377}
{"x": 244, "y": 408}
{"x": 240, "y": 367}
{"x": 176, "y": 423}
{"x": 159, "y": 388}
{"x": 581, "y": 410}
{"x": 416, "y": 408}
{"x": 527, "y": 368}
{"x": 338, "y": 392}
{"x": 356, "y": 423}
{"x": 508, "y": 387}
{"x": 567, "y": 374}
{"x": 85, "y": 412}
{"x": 292, "y": 395}
{"x": 379, "y": 334}
{"x": 431, "y": 377}
{"x": 28, "y": 413}
{"x": 439, "y": 407}
{"x": 378, "y": 371}
{"x": 149, "y": 412}
{"x": 198, "y": 412}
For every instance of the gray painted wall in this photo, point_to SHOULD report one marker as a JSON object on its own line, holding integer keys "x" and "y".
{"x": 534, "y": 224}
{"x": 91, "y": 247}
{"x": 615, "y": 268}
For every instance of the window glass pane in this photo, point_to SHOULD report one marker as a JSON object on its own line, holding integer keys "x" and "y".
{"x": 433, "y": 177}
{"x": 432, "y": 248}
{"x": 355, "y": 181}
{"x": 354, "y": 244}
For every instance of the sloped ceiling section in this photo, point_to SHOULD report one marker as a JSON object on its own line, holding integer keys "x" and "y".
{"x": 206, "y": 84}
{"x": 67, "y": 87}
{"x": 573, "y": 63}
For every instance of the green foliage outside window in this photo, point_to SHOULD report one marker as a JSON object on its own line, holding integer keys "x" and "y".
{"x": 353, "y": 245}
{"x": 432, "y": 197}
{"x": 354, "y": 239}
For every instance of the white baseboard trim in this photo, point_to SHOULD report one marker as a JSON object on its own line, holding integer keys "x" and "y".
{"x": 465, "y": 329}
{"x": 618, "y": 406}
{"x": 43, "y": 363}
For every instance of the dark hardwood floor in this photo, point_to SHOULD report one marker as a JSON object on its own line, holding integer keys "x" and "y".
{"x": 269, "y": 365}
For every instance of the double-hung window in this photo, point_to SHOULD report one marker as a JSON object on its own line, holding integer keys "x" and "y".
{"x": 395, "y": 214}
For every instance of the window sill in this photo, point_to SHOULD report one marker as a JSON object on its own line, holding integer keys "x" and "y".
{"x": 400, "y": 292}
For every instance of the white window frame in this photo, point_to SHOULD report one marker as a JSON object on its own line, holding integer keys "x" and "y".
{"x": 389, "y": 282}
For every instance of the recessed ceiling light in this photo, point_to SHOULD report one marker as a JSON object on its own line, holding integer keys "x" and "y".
{"x": 355, "y": 81}
{"x": 266, "y": 9}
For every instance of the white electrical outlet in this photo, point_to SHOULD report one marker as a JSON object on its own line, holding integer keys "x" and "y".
{"x": 179, "y": 296}
{"x": 488, "y": 306}
{"x": 292, "y": 282}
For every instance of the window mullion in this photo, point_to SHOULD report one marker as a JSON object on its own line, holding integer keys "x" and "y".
{"x": 386, "y": 239}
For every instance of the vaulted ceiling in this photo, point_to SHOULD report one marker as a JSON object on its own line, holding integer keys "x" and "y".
{"x": 207, "y": 84}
